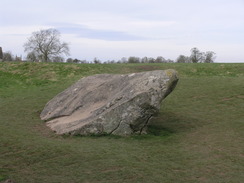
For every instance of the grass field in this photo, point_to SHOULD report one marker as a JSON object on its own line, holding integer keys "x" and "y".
{"x": 197, "y": 137}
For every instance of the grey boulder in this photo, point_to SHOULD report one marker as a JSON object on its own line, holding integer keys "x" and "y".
{"x": 109, "y": 103}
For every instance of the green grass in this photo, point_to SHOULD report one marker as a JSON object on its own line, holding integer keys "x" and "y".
{"x": 196, "y": 138}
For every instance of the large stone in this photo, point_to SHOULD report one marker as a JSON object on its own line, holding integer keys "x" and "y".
{"x": 109, "y": 104}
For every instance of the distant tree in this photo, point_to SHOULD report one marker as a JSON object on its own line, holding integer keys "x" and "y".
{"x": 57, "y": 59}
{"x": 209, "y": 57}
{"x": 69, "y": 60}
{"x": 96, "y": 61}
{"x": 1, "y": 54}
{"x": 133, "y": 60}
{"x": 77, "y": 61}
{"x": 124, "y": 60}
{"x": 7, "y": 56}
{"x": 160, "y": 59}
{"x": 32, "y": 57}
{"x": 196, "y": 56}
{"x": 81, "y": 61}
{"x": 144, "y": 60}
{"x": 151, "y": 60}
{"x": 170, "y": 61}
{"x": 183, "y": 59}
{"x": 47, "y": 44}
{"x": 18, "y": 59}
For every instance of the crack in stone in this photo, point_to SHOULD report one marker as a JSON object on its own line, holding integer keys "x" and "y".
{"x": 146, "y": 123}
{"x": 116, "y": 127}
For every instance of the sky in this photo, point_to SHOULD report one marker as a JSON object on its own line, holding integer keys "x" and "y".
{"x": 112, "y": 29}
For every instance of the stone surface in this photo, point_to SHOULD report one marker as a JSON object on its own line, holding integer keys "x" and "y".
{"x": 111, "y": 104}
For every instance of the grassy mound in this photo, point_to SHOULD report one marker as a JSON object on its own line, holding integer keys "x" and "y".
{"x": 197, "y": 137}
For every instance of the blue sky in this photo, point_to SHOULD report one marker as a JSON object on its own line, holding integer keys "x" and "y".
{"x": 112, "y": 29}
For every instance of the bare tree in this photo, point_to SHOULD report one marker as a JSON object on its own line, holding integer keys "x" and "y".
{"x": 144, "y": 60}
{"x": 133, "y": 59}
{"x": 196, "y": 55}
{"x": 1, "y": 54}
{"x": 209, "y": 57}
{"x": 18, "y": 58}
{"x": 8, "y": 56}
{"x": 151, "y": 60}
{"x": 183, "y": 59}
{"x": 69, "y": 60}
{"x": 58, "y": 59}
{"x": 46, "y": 44}
{"x": 96, "y": 61}
{"x": 160, "y": 59}
{"x": 124, "y": 60}
{"x": 32, "y": 57}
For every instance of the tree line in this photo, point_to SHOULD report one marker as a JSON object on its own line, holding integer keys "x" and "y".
{"x": 46, "y": 46}
{"x": 197, "y": 57}
{"x": 131, "y": 59}
{"x": 8, "y": 56}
